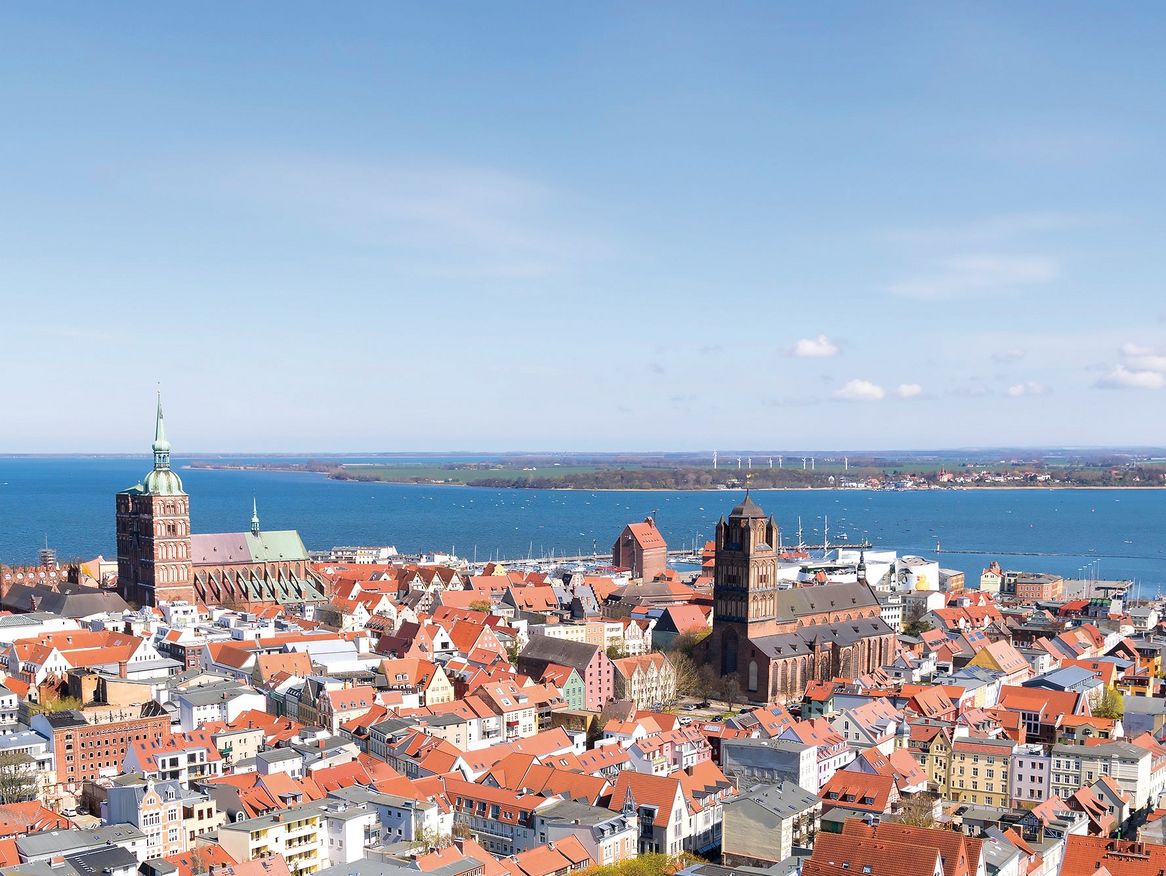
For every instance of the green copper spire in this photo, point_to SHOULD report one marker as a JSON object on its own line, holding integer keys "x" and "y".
{"x": 254, "y": 516}
{"x": 162, "y": 481}
{"x": 161, "y": 445}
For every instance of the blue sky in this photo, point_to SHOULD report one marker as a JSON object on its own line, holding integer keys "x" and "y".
{"x": 602, "y": 226}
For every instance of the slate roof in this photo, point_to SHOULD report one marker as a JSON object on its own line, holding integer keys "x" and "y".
{"x": 542, "y": 650}
{"x": 802, "y": 642}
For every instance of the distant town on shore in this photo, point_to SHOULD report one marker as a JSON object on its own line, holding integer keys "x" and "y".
{"x": 759, "y": 470}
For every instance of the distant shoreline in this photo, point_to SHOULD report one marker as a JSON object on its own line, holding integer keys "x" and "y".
{"x": 582, "y": 489}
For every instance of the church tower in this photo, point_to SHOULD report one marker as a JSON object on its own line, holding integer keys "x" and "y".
{"x": 153, "y": 532}
{"x": 744, "y": 582}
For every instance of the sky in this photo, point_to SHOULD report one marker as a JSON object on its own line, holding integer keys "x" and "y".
{"x": 604, "y": 226}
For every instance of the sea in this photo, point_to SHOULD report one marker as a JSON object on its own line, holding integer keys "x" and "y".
{"x": 67, "y": 502}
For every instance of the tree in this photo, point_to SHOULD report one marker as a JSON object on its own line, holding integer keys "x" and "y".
{"x": 1110, "y": 705}
{"x": 481, "y": 605}
{"x": 730, "y": 691}
{"x": 616, "y": 652}
{"x": 17, "y": 777}
{"x": 917, "y": 627}
{"x": 431, "y": 839}
{"x": 54, "y": 704}
{"x": 655, "y": 864}
{"x": 918, "y": 810}
{"x": 686, "y": 641}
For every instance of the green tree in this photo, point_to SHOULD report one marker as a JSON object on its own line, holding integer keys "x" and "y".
{"x": 616, "y": 652}
{"x": 481, "y": 605}
{"x": 1110, "y": 705}
{"x": 54, "y": 704}
{"x": 917, "y": 628}
{"x": 655, "y": 864}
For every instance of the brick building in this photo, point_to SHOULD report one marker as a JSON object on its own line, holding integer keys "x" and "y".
{"x": 158, "y": 559}
{"x": 89, "y": 746}
{"x": 641, "y": 550}
{"x": 777, "y": 641}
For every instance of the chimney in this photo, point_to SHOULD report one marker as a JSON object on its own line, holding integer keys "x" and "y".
{"x": 121, "y": 669}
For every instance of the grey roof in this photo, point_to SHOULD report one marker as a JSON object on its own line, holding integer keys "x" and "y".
{"x": 66, "y": 718}
{"x": 367, "y": 867}
{"x": 542, "y": 650}
{"x": 109, "y": 859}
{"x": 292, "y": 813}
{"x": 22, "y": 739}
{"x": 765, "y": 754}
{"x": 799, "y": 601}
{"x": 746, "y": 509}
{"x": 1115, "y": 748}
{"x": 278, "y": 755}
{"x": 360, "y": 794}
{"x": 803, "y": 641}
{"x": 84, "y": 604}
{"x": 61, "y": 842}
{"x": 212, "y": 693}
{"x": 574, "y": 812}
{"x": 22, "y": 620}
{"x": 782, "y": 800}
{"x": 1066, "y": 678}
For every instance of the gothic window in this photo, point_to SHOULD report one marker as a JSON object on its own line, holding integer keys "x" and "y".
{"x": 752, "y": 675}
{"x": 729, "y": 652}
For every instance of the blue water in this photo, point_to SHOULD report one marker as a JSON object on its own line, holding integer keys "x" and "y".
{"x": 70, "y": 499}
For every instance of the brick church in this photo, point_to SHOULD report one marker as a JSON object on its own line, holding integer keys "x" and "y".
{"x": 159, "y": 560}
{"x": 776, "y": 641}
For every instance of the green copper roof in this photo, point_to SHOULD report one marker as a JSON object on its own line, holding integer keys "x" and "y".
{"x": 278, "y": 546}
{"x": 160, "y": 442}
{"x": 163, "y": 482}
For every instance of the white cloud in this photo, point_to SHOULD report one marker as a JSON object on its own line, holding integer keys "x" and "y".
{"x": 1140, "y": 368}
{"x": 1141, "y": 358}
{"x": 977, "y": 276}
{"x": 1029, "y": 387}
{"x": 860, "y": 390}
{"x": 1121, "y": 377}
{"x": 815, "y": 348}
{"x": 909, "y": 390}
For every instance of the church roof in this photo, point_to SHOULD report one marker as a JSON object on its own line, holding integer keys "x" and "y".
{"x": 227, "y": 548}
{"x": 803, "y": 641}
{"x": 800, "y": 601}
{"x": 747, "y": 509}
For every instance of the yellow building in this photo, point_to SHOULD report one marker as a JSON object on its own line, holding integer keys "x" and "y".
{"x": 931, "y": 746}
{"x": 299, "y": 834}
{"x": 979, "y": 771}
